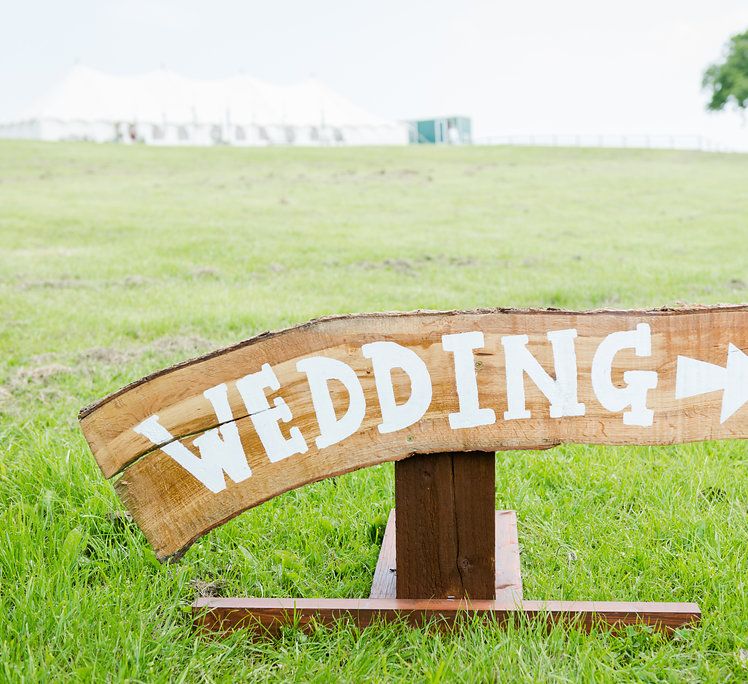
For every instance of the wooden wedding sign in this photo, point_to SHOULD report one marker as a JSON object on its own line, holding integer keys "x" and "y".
{"x": 439, "y": 393}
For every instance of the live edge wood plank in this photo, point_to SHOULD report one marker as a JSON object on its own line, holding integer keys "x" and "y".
{"x": 267, "y": 616}
{"x": 173, "y": 508}
{"x": 176, "y": 392}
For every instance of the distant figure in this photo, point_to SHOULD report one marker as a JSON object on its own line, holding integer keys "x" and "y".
{"x": 133, "y": 133}
{"x": 453, "y": 135}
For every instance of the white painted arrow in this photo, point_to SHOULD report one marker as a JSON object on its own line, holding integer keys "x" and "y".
{"x": 694, "y": 377}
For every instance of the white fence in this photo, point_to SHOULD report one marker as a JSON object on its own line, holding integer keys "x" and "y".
{"x": 661, "y": 142}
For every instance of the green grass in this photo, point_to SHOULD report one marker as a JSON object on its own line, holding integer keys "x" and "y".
{"x": 116, "y": 261}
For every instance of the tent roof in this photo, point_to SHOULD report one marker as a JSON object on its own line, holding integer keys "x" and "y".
{"x": 86, "y": 94}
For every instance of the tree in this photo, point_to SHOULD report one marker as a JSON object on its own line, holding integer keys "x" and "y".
{"x": 728, "y": 81}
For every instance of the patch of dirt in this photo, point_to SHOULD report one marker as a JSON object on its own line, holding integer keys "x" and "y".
{"x": 205, "y": 272}
{"x": 46, "y": 367}
{"x": 37, "y": 380}
{"x": 207, "y": 589}
{"x": 51, "y": 395}
{"x": 175, "y": 345}
{"x": 403, "y": 266}
{"x": 163, "y": 345}
{"x": 106, "y": 355}
{"x": 188, "y": 344}
{"x": 409, "y": 266}
{"x": 134, "y": 281}
{"x": 58, "y": 284}
{"x": 67, "y": 283}
{"x": 399, "y": 265}
{"x": 738, "y": 284}
{"x": 462, "y": 262}
{"x": 39, "y": 374}
{"x": 43, "y": 359}
{"x": 449, "y": 261}
{"x": 80, "y": 284}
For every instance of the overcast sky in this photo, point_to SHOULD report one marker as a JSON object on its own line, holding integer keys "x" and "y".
{"x": 542, "y": 67}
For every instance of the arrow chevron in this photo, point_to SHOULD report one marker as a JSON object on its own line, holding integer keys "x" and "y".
{"x": 694, "y": 377}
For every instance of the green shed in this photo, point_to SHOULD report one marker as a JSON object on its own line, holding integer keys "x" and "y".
{"x": 447, "y": 130}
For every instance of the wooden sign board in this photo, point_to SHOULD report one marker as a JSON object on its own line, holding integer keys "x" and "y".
{"x": 195, "y": 445}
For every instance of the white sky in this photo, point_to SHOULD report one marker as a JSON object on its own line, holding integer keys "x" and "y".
{"x": 516, "y": 67}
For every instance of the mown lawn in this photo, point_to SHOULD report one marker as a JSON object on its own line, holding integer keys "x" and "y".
{"x": 115, "y": 262}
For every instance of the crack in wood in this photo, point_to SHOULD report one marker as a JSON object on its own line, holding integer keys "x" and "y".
{"x": 179, "y": 438}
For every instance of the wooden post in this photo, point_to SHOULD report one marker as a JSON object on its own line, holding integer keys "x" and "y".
{"x": 445, "y": 524}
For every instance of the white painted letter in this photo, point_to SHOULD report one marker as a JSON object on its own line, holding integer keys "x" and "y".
{"x": 319, "y": 371}
{"x": 638, "y": 383}
{"x": 561, "y": 392}
{"x": 220, "y": 448}
{"x": 384, "y": 357}
{"x": 470, "y": 414}
{"x": 265, "y": 419}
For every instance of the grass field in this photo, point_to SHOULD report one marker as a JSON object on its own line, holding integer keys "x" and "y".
{"x": 116, "y": 261}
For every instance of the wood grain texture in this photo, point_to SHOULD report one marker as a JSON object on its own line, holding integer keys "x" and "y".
{"x": 445, "y": 525}
{"x": 384, "y": 584}
{"x": 173, "y": 508}
{"x": 508, "y": 568}
{"x": 508, "y": 579}
{"x": 267, "y": 616}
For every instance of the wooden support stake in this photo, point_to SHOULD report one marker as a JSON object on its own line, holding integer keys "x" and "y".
{"x": 445, "y": 525}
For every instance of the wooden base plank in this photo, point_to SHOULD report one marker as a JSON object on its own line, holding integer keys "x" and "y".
{"x": 508, "y": 579}
{"x": 268, "y": 615}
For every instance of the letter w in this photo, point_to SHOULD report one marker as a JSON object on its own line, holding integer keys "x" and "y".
{"x": 220, "y": 449}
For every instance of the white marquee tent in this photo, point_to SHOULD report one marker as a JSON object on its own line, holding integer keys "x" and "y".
{"x": 164, "y": 108}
